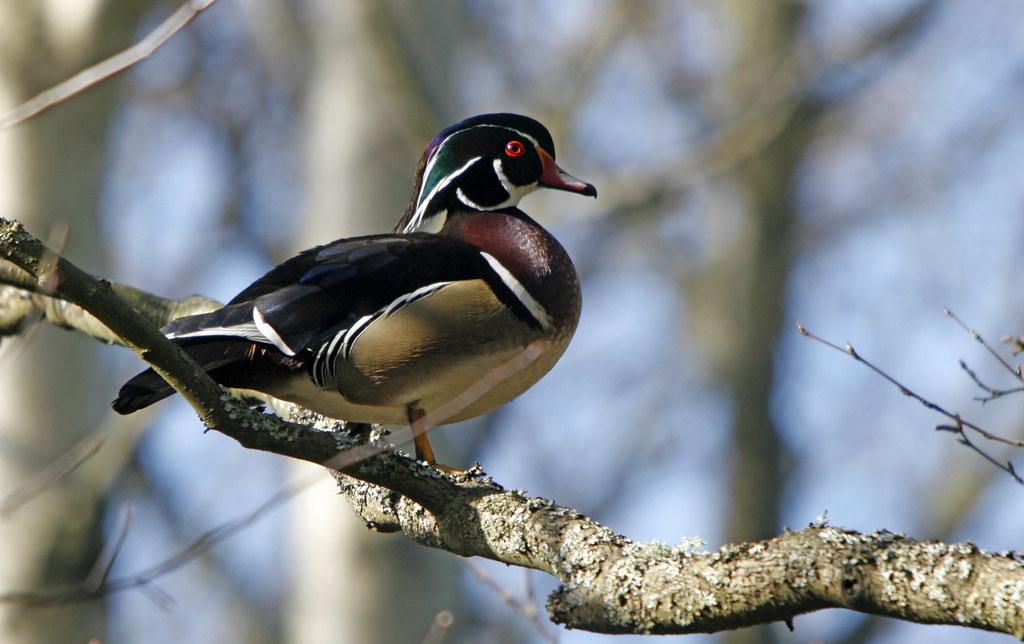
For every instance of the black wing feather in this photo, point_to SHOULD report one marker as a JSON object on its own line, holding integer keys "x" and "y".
{"x": 332, "y": 286}
{"x": 309, "y": 298}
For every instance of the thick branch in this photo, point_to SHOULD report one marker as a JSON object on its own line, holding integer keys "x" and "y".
{"x": 22, "y": 302}
{"x": 610, "y": 584}
{"x": 613, "y": 585}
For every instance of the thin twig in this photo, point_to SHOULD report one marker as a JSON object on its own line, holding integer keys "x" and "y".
{"x": 958, "y": 429}
{"x": 849, "y": 350}
{"x": 101, "y": 569}
{"x": 439, "y": 627}
{"x": 524, "y": 607}
{"x": 530, "y": 607}
{"x": 959, "y": 423}
{"x": 144, "y": 579}
{"x": 49, "y": 476}
{"x": 993, "y": 392}
{"x": 103, "y": 70}
{"x": 1016, "y": 371}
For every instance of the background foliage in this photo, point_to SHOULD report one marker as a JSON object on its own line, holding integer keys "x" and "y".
{"x": 853, "y": 165}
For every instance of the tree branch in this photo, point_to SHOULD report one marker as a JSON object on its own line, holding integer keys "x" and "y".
{"x": 22, "y": 301}
{"x": 609, "y": 583}
{"x": 112, "y": 66}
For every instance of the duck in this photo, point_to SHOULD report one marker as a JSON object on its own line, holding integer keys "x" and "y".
{"x": 434, "y": 318}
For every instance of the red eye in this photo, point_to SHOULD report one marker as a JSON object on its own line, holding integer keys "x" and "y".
{"x": 515, "y": 148}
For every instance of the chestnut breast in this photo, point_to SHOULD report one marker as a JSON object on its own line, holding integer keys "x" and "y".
{"x": 531, "y": 254}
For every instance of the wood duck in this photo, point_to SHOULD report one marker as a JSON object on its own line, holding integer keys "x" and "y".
{"x": 386, "y": 328}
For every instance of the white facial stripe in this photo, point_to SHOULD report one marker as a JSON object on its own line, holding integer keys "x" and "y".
{"x": 421, "y": 208}
{"x": 466, "y": 200}
{"x": 522, "y": 134}
{"x": 269, "y": 332}
{"x": 532, "y": 305}
{"x": 501, "y": 127}
{"x": 515, "y": 193}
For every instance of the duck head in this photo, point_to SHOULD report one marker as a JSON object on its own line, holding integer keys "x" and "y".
{"x": 486, "y": 162}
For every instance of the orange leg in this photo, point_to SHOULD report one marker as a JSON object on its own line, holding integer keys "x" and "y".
{"x": 424, "y": 452}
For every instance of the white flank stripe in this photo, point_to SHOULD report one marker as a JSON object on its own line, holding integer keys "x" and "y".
{"x": 323, "y": 365}
{"x": 410, "y": 297}
{"x": 334, "y": 342}
{"x": 352, "y": 333}
{"x": 269, "y": 332}
{"x": 532, "y": 305}
{"x": 319, "y": 373}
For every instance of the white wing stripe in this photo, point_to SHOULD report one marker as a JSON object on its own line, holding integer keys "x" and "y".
{"x": 247, "y": 331}
{"x": 270, "y": 333}
{"x": 514, "y": 285}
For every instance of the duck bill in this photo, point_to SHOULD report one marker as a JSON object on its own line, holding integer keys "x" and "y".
{"x": 554, "y": 177}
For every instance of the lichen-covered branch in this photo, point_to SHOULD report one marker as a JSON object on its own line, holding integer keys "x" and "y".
{"x": 613, "y": 585}
{"x": 609, "y": 583}
{"x": 22, "y": 301}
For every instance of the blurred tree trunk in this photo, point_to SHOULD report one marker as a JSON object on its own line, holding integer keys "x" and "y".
{"x": 52, "y": 168}
{"x": 349, "y": 584}
{"x": 762, "y": 267}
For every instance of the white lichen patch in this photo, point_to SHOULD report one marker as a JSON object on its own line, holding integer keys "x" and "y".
{"x": 689, "y": 546}
{"x": 1008, "y": 603}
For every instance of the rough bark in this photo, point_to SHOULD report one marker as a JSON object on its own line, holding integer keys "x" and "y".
{"x": 609, "y": 583}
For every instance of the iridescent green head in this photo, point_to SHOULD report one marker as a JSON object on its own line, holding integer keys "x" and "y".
{"x": 486, "y": 162}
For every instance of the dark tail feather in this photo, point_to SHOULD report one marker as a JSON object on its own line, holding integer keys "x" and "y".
{"x": 141, "y": 391}
{"x": 233, "y": 363}
{"x": 212, "y": 354}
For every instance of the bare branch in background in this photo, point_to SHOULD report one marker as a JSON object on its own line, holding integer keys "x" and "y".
{"x": 112, "y": 66}
{"x": 959, "y": 424}
{"x": 97, "y": 585}
{"x": 439, "y": 627}
{"x": 101, "y": 569}
{"x": 993, "y": 392}
{"x": 68, "y": 462}
{"x": 524, "y": 606}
